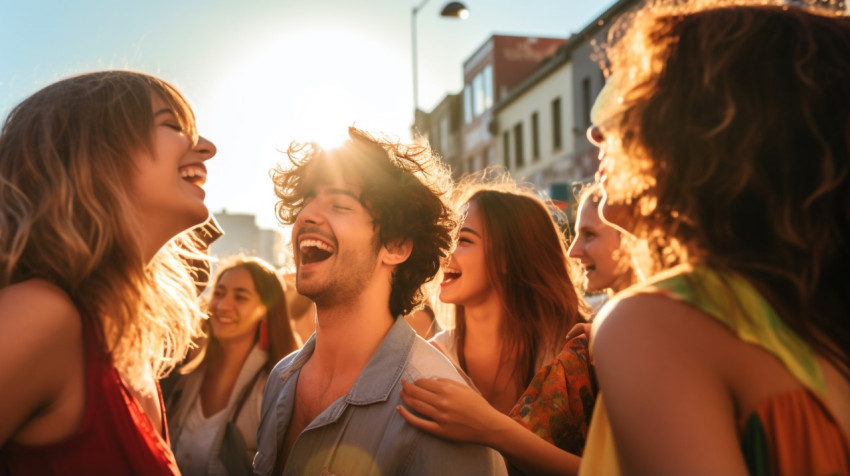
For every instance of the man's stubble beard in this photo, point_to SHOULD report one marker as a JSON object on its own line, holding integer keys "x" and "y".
{"x": 344, "y": 286}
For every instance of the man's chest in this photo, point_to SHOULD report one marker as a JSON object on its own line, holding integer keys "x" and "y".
{"x": 312, "y": 397}
{"x": 348, "y": 439}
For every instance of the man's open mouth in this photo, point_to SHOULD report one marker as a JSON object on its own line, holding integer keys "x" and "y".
{"x": 313, "y": 251}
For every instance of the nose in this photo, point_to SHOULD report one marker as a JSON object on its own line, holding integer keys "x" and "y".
{"x": 595, "y": 136}
{"x": 218, "y": 303}
{"x": 205, "y": 148}
{"x": 576, "y": 249}
{"x": 311, "y": 212}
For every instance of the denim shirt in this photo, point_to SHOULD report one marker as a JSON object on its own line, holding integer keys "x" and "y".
{"x": 362, "y": 432}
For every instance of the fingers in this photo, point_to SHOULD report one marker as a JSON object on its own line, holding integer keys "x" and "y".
{"x": 418, "y": 391}
{"x": 579, "y": 329}
{"x": 420, "y": 405}
{"x": 437, "y": 385}
{"x": 420, "y": 423}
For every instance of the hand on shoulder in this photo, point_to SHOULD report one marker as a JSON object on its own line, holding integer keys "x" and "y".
{"x": 456, "y": 411}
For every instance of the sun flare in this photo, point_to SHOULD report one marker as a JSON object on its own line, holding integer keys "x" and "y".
{"x": 303, "y": 86}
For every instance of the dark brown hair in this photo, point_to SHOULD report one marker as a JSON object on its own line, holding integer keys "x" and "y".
{"x": 271, "y": 289}
{"x": 404, "y": 187}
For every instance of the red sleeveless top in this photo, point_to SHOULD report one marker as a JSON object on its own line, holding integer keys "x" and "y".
{"x": 116, "y": 437}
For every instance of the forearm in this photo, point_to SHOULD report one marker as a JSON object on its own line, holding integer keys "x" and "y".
{"x": 528, "y": 452}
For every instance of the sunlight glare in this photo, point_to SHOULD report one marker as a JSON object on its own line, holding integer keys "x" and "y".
{"x": 305, "y": 86}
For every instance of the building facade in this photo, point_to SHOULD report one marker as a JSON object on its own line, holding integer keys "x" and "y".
{"x": 243, "y": 236}
{"x": 442, "y": 129}
{"x": 542, "y": 123}
{"x": 490, "y": 74}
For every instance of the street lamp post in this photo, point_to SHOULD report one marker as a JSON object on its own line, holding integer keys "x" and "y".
{"x": 451, "y": 10}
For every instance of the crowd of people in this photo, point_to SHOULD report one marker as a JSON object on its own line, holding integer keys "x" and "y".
{"x": 697, "y": 322}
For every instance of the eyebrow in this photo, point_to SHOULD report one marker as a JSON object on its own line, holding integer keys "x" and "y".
{"x": 470, "y": 230}
{"x": 165, "y": 110}
{"x": 343, "y": 191}
{"x": 235, "y": 290}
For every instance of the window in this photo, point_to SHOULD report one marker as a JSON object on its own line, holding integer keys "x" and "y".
{"x": 444, "y": 136}
{"x": 467, "y": 104}
{"x": 506, "y": 148}
{"x": 478, "y": 94}
{"x": 535, "y": 136}
{"x": 488, "y": 86}
{"x": 518, "y": 152}
{"x": 586, "y": 103}
{"x": 557, "y": 141}
{"x": 478, "y": 101}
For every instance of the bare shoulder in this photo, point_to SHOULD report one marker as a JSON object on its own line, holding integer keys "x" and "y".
{"x": 656, "y": 321}
{"x": 37, "y": 306}
{"x": 38, "y": 324}
{"x": 41, "y": 347}
{"x": 650, "y": 337}
{"x": 660, "y": 367}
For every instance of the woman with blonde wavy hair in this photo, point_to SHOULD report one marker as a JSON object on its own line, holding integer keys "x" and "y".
{"x": 99, "y": 175}
{"x": 730, "y": 144}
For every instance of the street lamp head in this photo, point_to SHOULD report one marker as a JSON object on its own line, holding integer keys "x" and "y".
{"x": 455, "y": 10}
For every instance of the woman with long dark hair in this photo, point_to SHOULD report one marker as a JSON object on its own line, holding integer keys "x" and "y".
{"x": 510, "y": 282}
{"x": 214, "y": 409}
{"x": 546, "y": 429}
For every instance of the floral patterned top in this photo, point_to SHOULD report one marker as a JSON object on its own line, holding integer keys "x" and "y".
{"x": 558, "y": 403}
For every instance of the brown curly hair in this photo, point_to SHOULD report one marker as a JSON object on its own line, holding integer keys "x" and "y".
{"x": 406, "y": 190}
{"x": 731, "y": 135}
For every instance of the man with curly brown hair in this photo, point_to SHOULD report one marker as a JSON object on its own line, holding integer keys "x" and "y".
{"x": 370, "y": 225}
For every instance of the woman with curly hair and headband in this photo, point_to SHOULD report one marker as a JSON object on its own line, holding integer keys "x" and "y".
{"x": 730, "y": 142}
{"x": 99, "y": 175}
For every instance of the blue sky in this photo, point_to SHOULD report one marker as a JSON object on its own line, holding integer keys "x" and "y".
{"x": 260, "y": 73}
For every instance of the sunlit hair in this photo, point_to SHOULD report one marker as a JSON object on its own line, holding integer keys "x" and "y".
{"x": 732, "y": 137}
{"x": 405, "y": 188}
{"x": 67, "y": 155}
{"x": 270, "y": 288}
{"x": 528, "y": 266}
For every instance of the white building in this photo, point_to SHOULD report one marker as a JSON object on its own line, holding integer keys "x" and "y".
{"x": 541, "y": 124}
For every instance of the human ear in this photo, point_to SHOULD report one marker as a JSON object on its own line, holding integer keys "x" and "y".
{"x": 397, "y": 252}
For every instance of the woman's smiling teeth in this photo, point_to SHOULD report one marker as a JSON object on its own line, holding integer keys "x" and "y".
{"x": 588, "y": 267}
{"x": 195, "y": 174}
{"x": 450, "y": 274}
{"x": 314, "y": 250}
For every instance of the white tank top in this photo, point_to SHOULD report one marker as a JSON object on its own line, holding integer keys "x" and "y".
{"x": 196, "y": 440}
